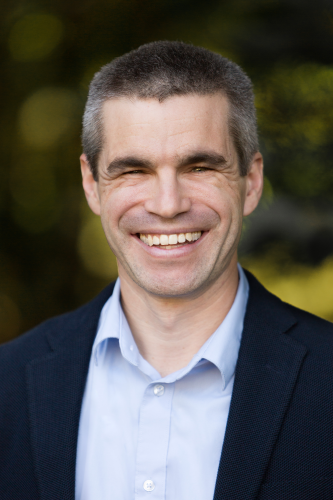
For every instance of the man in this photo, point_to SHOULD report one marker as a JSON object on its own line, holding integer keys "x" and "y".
{"x": 186, "y": 379}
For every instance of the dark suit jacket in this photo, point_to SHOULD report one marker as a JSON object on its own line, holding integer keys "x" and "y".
{"x": 279, "y": 437}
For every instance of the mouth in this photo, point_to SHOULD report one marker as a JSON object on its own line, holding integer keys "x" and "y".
{"x": 170, "y": 241}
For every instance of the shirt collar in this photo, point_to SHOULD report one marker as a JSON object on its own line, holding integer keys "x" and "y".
{"x": 113, "y": 325}
{"x": 221, "y": 348}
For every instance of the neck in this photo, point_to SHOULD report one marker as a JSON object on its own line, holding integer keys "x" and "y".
{"x": 170, "y": 331}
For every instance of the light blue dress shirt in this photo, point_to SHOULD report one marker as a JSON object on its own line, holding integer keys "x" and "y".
{"x": 142, "y": 436}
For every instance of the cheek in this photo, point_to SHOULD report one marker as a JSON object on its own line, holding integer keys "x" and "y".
{"x": 223, "y": 200}
{"x": 116, "y": 202}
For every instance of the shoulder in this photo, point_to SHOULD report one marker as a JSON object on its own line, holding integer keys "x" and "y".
{"x": 305, "y": 327}
{"x": 281, "y": 333}
{"x": 315, "y": 333}
{"x": 41, "y": 339}
{"x": 69, "y": 336}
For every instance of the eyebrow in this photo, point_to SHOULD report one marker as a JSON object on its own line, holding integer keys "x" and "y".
{"x": 119, "y": 165}
{"x": 210, "y": 158}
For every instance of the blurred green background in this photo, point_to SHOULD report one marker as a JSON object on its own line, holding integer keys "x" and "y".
{"x": 53, "y": 256}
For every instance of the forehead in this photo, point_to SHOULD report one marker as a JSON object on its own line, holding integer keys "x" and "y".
{"x": 170, "y": 127}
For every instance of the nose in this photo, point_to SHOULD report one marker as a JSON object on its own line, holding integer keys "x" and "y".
{"x": 167, "y": 197}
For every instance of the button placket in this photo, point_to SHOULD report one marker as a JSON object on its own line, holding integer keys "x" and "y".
{"x": 153, "y": 442}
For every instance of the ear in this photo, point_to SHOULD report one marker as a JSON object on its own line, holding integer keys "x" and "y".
{"x": 90, "y": 186}
{"x": 254, "y": 184}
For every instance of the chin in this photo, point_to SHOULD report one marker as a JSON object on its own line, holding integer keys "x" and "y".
{"x": 172, "y": 287}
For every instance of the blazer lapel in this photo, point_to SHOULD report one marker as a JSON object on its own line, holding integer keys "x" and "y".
{"x": 56, "y": 385}
{"x": 266, "y": 372}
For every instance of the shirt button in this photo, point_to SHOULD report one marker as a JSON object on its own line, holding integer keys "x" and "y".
{"x": 149, "y": 485}
{"x": 159, "y": 390}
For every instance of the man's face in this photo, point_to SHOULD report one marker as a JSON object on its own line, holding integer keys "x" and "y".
{"x": 169, "y": 172}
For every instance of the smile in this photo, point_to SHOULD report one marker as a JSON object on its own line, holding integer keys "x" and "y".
{"x": 169, "y": 241}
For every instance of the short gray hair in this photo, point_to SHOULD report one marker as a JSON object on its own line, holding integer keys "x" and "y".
{"x": 163, "y": 69}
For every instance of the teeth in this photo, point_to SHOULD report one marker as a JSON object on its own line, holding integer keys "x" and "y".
{"x": 168, "y": 241}
{"x": 173, "y": 239}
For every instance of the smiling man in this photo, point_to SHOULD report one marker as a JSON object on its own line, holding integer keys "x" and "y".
{"x": 185, "y": 379}
{"x": 171, "y": 198}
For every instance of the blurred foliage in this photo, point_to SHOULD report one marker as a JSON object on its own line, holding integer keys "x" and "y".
{"x": 302, "y": 286}
{"x": 296, "y": 118}
{"x": 53, "y": 255}
{"x": 34, "y": 36}
{"x": 93, "y": 248}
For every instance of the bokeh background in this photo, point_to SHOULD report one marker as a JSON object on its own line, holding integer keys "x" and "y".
{"x": 53, "y": 255}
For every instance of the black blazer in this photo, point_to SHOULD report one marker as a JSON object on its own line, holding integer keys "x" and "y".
{"x": 279, "y": 438}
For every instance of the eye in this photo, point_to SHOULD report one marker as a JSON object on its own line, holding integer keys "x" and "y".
{"x": 199, "y": 169}
{"x": 134, "y": 172}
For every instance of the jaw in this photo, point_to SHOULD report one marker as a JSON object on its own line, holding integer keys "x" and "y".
{"x": 176, "y": 271}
